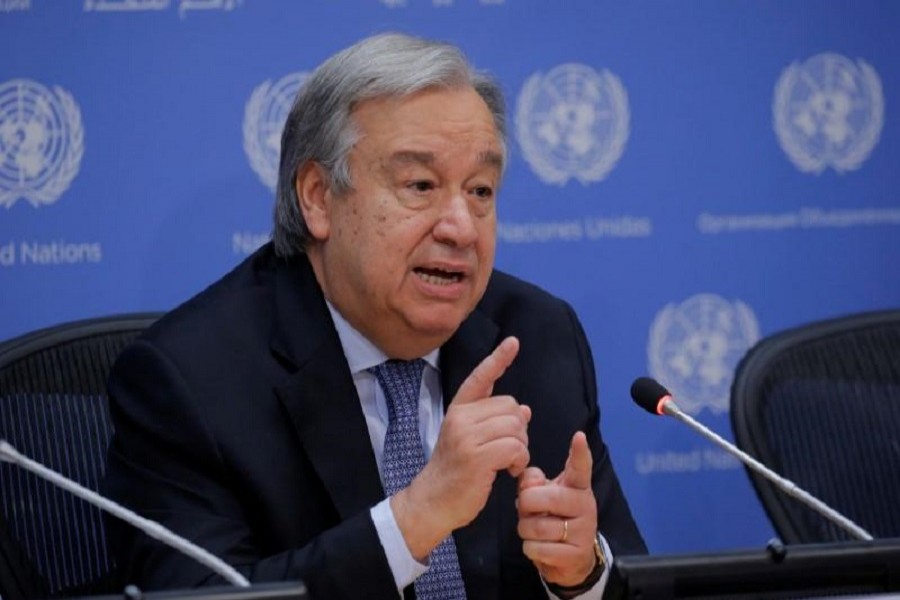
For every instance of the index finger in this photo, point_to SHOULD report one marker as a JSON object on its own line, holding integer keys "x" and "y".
{"x": 480, "y": 382}
{"x": 577, "y": 472}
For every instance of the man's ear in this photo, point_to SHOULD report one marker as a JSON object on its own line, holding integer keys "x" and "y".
{"x": 314, "y": 199}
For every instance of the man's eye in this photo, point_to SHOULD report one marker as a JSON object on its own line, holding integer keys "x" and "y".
{"x": 484, "y": 192}
{"x": 421, "y": 186}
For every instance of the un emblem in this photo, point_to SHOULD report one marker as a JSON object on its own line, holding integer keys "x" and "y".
{"x": 264, "y": 118}
{"x": 828, "y": 112}
{"x": 41, "y": 142}
{"x": 695, "y": 346}
{"x": 572, "y": 122}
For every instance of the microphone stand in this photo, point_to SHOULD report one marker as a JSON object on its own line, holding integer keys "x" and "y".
{"x": 785, "y": 485}
{"x": 9, "y": 454}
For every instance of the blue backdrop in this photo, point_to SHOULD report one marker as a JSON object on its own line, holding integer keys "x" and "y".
{"x": 690, "y": 175}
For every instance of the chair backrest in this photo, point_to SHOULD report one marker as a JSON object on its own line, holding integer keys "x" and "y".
{"x": 53, "y": 408}
{"x": 820, "y": 404}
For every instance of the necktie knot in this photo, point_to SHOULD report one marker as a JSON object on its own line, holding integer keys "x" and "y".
{"x": 400, "y": 380}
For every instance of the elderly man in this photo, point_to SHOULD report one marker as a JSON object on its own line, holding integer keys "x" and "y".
{"x": 365, "y": 404}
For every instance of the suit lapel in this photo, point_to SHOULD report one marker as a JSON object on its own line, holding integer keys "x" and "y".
{"x": 319, "y": 395}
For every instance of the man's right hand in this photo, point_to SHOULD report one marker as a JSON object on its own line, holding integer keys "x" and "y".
{"x": 481, "y": 435}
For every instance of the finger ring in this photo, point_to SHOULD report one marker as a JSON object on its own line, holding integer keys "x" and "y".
{"x": 565, "y": 533}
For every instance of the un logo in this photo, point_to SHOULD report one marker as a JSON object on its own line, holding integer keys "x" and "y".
{"x": 828, "y": 112}
{"x": 41, "y": 142}
{"x": 572, "y": 122}
{"x": 264, "y": 118}
{"x": 695, "y": 346}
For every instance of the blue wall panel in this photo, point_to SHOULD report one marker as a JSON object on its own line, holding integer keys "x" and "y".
{"x": 690, "y": 175}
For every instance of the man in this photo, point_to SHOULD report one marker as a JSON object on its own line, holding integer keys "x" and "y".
{"x": 365, "y": 404}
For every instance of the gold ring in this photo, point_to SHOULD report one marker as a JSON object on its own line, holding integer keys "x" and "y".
{"x": 565, "y": 533}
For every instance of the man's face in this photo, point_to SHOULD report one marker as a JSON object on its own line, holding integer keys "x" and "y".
{"x": 406, "y": 255}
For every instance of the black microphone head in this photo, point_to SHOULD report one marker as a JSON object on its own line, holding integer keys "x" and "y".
{"x": 647, "y": 393}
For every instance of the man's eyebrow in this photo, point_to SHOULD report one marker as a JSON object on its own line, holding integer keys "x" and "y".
{"x": 403, "y": 157}
{"x": 489, "y": 157}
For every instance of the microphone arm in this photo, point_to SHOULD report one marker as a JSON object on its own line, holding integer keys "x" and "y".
{"x": 151, "y": 528}
{"x": 787, "y": 486}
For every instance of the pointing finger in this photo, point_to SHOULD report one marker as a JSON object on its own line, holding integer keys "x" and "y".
{"x": 577, "y": 472}
{"x": 480, "y": 382}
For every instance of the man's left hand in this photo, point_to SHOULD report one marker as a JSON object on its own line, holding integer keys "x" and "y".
{"x": 558, "y": 518}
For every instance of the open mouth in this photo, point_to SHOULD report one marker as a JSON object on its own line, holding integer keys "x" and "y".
{"x": 438, "y": 276}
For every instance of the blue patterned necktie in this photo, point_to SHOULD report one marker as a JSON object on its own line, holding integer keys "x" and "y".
{"x": 404, "y": 457}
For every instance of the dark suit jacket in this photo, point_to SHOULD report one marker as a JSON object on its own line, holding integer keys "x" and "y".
{"x": 238, "y": 426}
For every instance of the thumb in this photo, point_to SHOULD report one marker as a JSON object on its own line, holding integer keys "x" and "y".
{"x": 480, "y": 382}
{"x": 577, "y": 472}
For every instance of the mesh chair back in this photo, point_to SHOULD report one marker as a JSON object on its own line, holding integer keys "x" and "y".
{"x": 53, "y": 408}
{"x": 820, "y": 405}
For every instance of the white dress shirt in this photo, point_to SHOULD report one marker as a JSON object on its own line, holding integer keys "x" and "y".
{"x": 362, "y": 355}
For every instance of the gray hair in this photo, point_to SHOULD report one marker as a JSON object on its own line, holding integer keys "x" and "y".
{"x": 319, "y": 127}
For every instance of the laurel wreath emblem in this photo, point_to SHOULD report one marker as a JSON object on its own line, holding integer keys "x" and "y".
{"x": 543, "y": 164}
{"x": 865, "y": 140}
{"x": 260, "y": 162}
{"x": 54, "y": 186}
{"x": 694, "y": 396}
{"x": 268, "y": 107}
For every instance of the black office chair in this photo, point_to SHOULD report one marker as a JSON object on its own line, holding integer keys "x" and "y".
{"x": 820, "y": 404}
{"x": 53, "y": 409}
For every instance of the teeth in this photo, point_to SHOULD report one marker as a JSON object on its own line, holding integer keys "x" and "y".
{"x": 438, "y": 279}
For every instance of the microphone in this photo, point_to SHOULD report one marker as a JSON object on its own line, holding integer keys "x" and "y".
{"x": 653, "y": 397}
{"x": 151, "y": 528}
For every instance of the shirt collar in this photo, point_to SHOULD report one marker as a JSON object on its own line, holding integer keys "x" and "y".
{"x": 360, "y": 352}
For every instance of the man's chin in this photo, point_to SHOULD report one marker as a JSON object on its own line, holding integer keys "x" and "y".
{"x": 437, "y": 326}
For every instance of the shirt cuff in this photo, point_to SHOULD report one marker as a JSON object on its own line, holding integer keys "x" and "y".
{"x": 596, "y": 592}
{"x": 404, "y": 567}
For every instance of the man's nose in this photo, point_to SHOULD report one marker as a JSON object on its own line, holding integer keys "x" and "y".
{"x": 456, "y": 223}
